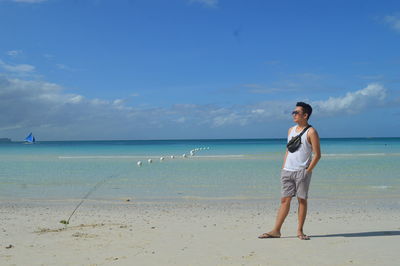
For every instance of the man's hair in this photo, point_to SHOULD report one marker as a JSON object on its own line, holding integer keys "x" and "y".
{"x": 307, "y": 109}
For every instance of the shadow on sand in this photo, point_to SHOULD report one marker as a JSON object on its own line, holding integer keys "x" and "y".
{"x": 362, "y": 234}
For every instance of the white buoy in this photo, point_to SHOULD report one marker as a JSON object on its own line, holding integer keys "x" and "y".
{"x": 139, "y": 163}
{"x": 162, "y": 159}
{"x": 172, "y": 157}
{"x": 184, "y": 155}
{"x": 150, "y": 160}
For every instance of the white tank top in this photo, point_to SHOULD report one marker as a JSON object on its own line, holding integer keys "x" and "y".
{"x": 301, "y": 158}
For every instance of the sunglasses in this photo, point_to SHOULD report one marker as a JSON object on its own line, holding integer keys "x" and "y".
{"x": 296, "y": 112}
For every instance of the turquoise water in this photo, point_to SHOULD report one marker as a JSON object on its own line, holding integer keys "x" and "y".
{"x": 229, "y": 169}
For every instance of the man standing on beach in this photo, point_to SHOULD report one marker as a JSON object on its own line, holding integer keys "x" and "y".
{"x": 297, "y": 170}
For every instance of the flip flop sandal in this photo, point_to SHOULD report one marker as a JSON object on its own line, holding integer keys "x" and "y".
{"x": 266, "y": 235}
{"x": 303, "y": 237}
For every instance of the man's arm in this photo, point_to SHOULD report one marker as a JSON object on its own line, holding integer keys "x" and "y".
{"x": 314, "y": 140}
{"x": 284, "y": 158}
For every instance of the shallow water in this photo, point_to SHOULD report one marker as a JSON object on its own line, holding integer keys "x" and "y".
{"x": 229, "y": 169}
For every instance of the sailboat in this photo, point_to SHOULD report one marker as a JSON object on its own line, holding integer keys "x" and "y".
{"x": 30, "y": 139}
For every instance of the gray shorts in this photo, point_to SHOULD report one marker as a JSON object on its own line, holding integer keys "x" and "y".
{"x": 295, "y": 183}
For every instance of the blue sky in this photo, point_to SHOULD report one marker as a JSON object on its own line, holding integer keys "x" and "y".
{"x": 156, "y": 69}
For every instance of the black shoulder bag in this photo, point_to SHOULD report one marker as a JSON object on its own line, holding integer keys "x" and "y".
{"x": 294, "y": 144}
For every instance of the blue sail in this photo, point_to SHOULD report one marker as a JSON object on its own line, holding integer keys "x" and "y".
{"x": 30, "y": 138}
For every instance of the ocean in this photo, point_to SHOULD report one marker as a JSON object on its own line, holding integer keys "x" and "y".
{"x": 242, "y": 169}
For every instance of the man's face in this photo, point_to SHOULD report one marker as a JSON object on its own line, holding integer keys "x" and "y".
{"x": 299, "y": 115}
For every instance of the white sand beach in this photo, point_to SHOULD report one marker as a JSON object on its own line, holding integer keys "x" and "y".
{"x": 343, "y": 232}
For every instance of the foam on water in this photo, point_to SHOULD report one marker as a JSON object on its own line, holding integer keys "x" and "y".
{"x": 359, "y": 154}
{"x": 380, "y": 187}
{"x": 150, "y": 156}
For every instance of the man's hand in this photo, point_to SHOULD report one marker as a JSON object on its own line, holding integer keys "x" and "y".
{"x": 314, "y": 140}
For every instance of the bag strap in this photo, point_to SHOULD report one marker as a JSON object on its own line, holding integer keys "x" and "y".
{"x": 304, "y": 130}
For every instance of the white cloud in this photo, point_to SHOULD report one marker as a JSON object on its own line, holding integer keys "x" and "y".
{"x": 14, "y": 52}
{"x": 98, "y": 102}
{"x": 231, "y": 118}
{"x": 372, "y": 96}
{"x": 207, "y": 3}
{"x": 22, "y": 68}
{"x": 118, "y": 101}
{"x": 52, "y": 112}
{"x": 251, "y": 114}
{"x": 258, "y": 111}
{"x": 353, "y": 102}
{"x": 393, "y": 21}
{"x": 76, "y": 99}
{"x": 180, "y": 120}
{"x": 48, "y": 108}
{"x": 64, "y": 67}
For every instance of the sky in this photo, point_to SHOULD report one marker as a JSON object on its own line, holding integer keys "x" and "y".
{"x": 197, "y": 69}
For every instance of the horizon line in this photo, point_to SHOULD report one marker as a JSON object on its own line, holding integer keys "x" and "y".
{"x": 200, "y": 139}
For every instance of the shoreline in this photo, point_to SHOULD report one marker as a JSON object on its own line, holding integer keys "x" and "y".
{"x": 187, "y": 199}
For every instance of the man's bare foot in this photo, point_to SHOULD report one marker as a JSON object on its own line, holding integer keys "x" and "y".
{"x": 272, "y": 234}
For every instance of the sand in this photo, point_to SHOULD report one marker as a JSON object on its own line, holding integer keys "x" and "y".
{"x": 198, "y": 232}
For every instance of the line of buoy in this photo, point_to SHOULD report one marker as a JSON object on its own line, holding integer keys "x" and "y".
{"x": 192, "y": 153}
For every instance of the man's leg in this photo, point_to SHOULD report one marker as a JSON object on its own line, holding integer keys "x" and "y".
{"x": 302, "y": 213}
{"x": 302, "y": 185}
{"x": 282, "y": 213}
{"x": 280, "y": 218}
{"x": 287, "y": 190}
